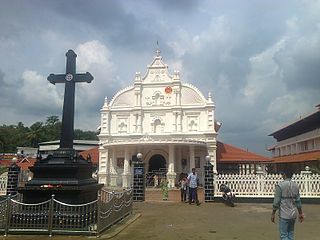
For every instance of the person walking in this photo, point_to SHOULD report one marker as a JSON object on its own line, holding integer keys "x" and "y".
{"x": 287, "y": 201}
{"x": 193, "y": 181}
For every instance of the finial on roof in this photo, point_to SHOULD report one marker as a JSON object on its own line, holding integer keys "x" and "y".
{"x": 138, "y": 77}
{"x": 209, "y": 97}
{"x": 176, "y": 75}
{"x": 106, "y": 100}
{"x": 158, "y": 50}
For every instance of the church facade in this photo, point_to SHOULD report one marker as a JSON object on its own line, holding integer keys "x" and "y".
{"x": 168, "y": 121}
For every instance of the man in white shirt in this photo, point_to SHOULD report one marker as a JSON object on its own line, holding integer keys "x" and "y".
{"x": 193, "y": 181}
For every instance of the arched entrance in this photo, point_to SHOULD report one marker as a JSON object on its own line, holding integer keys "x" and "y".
{"x": 157, "y": 170}
{"x": 157, "y": 163}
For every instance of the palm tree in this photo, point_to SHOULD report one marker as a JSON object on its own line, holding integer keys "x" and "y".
{"x": 35, "y": 134}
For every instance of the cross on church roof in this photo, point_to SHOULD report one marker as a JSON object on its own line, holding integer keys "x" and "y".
{"x": 158, "y": 52}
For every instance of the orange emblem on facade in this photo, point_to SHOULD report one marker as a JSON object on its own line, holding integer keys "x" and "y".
{"x": 168, "y": 90}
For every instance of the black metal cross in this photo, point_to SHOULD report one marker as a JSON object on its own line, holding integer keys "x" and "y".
{"x": 70, "y": 78}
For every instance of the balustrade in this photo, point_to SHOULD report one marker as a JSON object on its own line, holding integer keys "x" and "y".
{"x": 263, "y": 185}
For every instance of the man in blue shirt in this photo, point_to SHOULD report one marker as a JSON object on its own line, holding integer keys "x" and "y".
{"x": 287, "y": 200}
{"x": 193, "y": 181}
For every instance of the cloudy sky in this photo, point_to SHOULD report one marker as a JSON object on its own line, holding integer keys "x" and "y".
{"x": 260, "y": 59}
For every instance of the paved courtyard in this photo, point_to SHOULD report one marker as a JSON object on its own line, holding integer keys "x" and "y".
{"x": 213, "y": 221}
{"x": 175, "y": 220}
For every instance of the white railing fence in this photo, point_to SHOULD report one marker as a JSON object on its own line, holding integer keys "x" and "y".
{"x": 250, "y": 185}
{"x": 263, "y": 185}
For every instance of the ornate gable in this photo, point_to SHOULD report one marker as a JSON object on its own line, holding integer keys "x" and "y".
{"x": 157, "y": 71}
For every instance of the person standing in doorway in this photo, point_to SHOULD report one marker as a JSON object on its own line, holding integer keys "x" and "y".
{"x": 287, "y": 201}
{"x": 193, "y": 181}
{"x": 183, "y": 188}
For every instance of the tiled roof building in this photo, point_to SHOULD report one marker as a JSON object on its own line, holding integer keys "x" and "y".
{"x": 298, "y": 143}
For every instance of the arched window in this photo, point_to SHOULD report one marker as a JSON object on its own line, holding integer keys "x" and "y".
{"x": 157, "y": 126}
{"x": 156, "y": 98}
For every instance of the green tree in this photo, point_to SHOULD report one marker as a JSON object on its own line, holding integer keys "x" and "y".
{"x": 85, "y": 135}
{"x": 3, "y": 169}
{"x": 52, "y": 128}
{"x": 21, "y": 132}
{"x": 9, "y": 138}
{"x": 12, "y": 136}
{"x": 35, "y": 134}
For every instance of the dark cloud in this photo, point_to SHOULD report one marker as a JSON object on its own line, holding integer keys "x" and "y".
{"x": 181, "y": 6}
{"x": 2, "y": 82}
{"x": 7, "y": 96}
{"x": 108, "y": 17}
{"x": 229, "y": 48}
{"x": 301, "y": 70}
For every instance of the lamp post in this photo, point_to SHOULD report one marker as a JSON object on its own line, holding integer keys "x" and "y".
{"x": 138, "y": 179}
{"x": 139, "y": 156}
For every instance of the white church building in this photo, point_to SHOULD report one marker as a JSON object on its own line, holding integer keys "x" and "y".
{"x": 170, "y": 122}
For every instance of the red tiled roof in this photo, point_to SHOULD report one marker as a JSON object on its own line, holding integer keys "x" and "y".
{"x": 302, "y": 157}
{"x": 225, "y": 154}
{"x": 230, "y": 154}
{"x": 24, "y": 164}
{"x": 94, "y": 152}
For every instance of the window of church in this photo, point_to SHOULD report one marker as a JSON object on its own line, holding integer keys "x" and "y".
{"x": 122, "y": 127}
{"x": 157, "y": 126}
{"x": 120, "y": 162}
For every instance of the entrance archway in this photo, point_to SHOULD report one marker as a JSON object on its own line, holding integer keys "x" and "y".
{"x": 156, "y": 170}
{"x": 157, "y": 163}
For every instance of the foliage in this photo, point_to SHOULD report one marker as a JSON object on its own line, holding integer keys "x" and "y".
{"x": 315, "y": 170}
{"x": 13, "y": 136}
{"x": 3, "y": 169}
{"x": 85, "y": 135}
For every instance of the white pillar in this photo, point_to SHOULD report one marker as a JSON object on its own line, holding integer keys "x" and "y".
{"x": 139, "y": 123}
{"x": 179, "y": 120}
{"x": 191, "y": 157}
{"x": 137, "y": 98}
{"x": 178, "y": 163}
{"x": 126, "y": 169}
{"x": 171, "y": 175}
{"x": 136, "y": 122}
{"x": 175, "y": 124}
{"x": 212, "y": 152}
{"x": 103, "y": 165}
{"x": 113, "y": 167}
